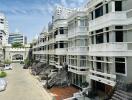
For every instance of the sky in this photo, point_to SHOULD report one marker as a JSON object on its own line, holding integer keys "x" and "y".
{"x": 31, "y": 16}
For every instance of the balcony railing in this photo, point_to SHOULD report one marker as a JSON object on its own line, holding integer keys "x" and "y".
{"x": 105, "y": 78}
{"x": 51, "y": 41}
{"x": 107, "y": 20}
{"x": 78, "y": 50}
{"x": 116, "y": 46}
{"x": 61, "y": 51}
{"x": 52, "y": 63}
{"x": 78, "y": 70}
{"x": 61, "y": 37}
{"x": 77, "y": 31}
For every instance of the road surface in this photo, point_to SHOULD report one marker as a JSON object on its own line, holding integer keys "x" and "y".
{"x": 22, "y": 86}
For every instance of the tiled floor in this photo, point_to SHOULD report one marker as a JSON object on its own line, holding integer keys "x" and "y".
{"x": 63, "y": 92}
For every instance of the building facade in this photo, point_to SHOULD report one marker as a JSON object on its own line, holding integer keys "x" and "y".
{"x": 109, "y": 43}
{"x": 94, "y": 42}
{"x": 3, "y": 29}
{"x": 3, "y": 34}
{"x": 66, "y": 44}
{"x": 40, "y": 47}
{"x": 77, "y": 54}
{"x": 16, "y": 54}
{"x": 17, "y": 37}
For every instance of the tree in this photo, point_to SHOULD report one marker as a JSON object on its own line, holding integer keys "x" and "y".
{"x": 17, "y": 45}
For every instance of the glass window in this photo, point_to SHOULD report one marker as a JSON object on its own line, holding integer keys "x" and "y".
{"x": 61, "y": 30}
{"x": 82, "y": 22}
{"x": 119, "y": 34}
{"x": 107, "y": 34}
{"x": 118, "y": 5}
{"x": 120, "y": 65}
{"x": 92, "y": 15}
{"x": 107, "y": 8}
{"x": 99, "y": 38}
{"x": 99, "y": 11}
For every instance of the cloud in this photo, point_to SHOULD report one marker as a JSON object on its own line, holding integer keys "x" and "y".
{"x": 27, "y": 7}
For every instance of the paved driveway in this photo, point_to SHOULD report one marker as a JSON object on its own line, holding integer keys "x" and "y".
{"x": 22, "y": 86}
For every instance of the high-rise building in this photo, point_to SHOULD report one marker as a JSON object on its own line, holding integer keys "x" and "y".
{"x": 17, "y": 37}
{"x": 3, "y": 29}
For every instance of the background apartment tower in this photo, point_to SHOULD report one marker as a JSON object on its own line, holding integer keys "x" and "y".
{"x": 17, "y": 37}
{"x": 3, "y": 29}
{"x": 3, "y": 34}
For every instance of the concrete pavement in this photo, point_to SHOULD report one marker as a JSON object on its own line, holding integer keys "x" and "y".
{"x": 23, "y": 86}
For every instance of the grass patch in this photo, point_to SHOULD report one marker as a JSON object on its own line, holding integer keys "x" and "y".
{"x": 3, "y": 74}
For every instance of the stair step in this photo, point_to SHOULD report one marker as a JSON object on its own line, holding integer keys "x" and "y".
{"x": 114, "y": 98}
{"x": 120, "y": 97}
{"x": 125, "y": 93}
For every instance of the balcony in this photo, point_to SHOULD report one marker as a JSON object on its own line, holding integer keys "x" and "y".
{"x": 1, "y": 26}
{"x": 43, "y": 43}
{"x": 105, "y": 78}
{"x": 51, "y": 62}
{"x": 51, "y": 41}
{"x": 78, "y": 31}
{"x": 58, "y": 65}
{"x": 112, "y": 18}
{"x": 78, "y": 50}
{"x": 60, "y": 23}
{"x": 61, "y": 37}
{"x": 78, "y": 70}
{"x": 111, "y": 49}
{"x": 51, "y": 52}
{"x": 40, "y": 52}
{"x": 61, "y": 51}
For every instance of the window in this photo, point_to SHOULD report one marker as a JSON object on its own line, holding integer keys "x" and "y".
{"x": 61, "y": 45}
{"x": 61, "y": 30}
{"x": 56, "y": 46}
{"x": 92, "y": 38}
{"x": 98, "y": 66}
{"x": 83, "y": 61}
{"x": 107, "y": 8}
{"x": 99, "y": 11}
{"x": 99, "y": 38}
{"x": 92, "y": 15}
{"x": 83, "y": 22}
{"x": 107, "y": 34}
{"x": 99, "y": 58}
{"x": 120, "y": 65}
{"x": 119, "y": 34}
{"x": 118, "y": 5}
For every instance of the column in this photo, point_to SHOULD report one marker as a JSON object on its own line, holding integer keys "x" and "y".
{"x": 113, "y": 6}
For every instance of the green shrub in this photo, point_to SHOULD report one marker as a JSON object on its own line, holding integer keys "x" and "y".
{"x": 7, "y": 61}
{"x": 17, "y": 45}
{"x": 3, "y": 74}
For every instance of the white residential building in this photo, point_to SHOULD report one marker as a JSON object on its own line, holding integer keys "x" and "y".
{"x": 40, "y": 47}
{"x": 95, "y": 43}
{"x": 77, "y": 55}
{"x": 110, "y": 48}
{"x": 60, "y": 31}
